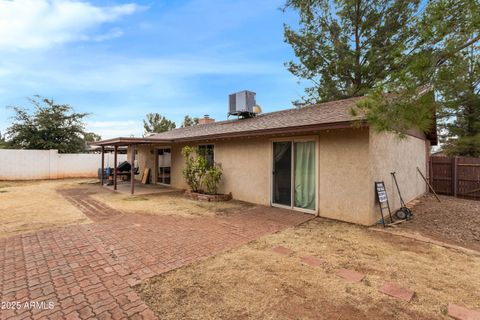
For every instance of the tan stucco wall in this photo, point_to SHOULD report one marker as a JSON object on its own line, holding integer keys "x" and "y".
{"x": 344, "y": 175}
{"x": 246, "y": 167}
{"x": 145, "y": 158}
{"x": 390, "y": 153}
{"x": 177, "y": 180}
{"x": 349, "y": 161}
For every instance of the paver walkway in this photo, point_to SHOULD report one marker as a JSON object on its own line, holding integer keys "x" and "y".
{"x": 87, "y": 271}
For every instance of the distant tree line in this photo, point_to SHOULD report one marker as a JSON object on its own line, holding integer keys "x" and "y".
{"x": 156, "y": 123}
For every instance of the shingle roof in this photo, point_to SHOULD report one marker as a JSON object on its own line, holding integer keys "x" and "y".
{"x": 324, "y": 114}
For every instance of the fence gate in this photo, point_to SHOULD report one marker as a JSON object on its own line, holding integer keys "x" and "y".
{"x": 456, "y": 176}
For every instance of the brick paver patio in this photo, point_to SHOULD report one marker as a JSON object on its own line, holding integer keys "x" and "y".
{"x": 87, "y": 271}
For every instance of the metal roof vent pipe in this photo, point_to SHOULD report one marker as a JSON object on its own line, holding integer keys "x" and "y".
{"x": 205, "y": 120}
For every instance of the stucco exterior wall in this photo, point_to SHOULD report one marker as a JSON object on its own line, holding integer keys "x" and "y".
{"x": 390, "y": 153}
{"x": 145, "y": 158}
{"x": 246, "y": 167}
{"x": 344, "y": 175}
{"x": 349, "y": 161}
{"x": 177, "y": 167}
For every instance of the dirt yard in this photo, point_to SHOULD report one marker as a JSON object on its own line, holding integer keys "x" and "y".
{"x": 164, "y": 203}
{"x": 33, "y": 205}
{"x": 455, "y": 221}
{"x": 255, "y": 283}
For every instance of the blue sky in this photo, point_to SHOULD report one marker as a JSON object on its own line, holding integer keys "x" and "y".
{"x": 119, "y": 60}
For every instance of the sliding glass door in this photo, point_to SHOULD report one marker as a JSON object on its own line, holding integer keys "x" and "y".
{"x": 164, "y": 162}
{"x": 282, "y": 173}
{"x": 294, "y": 174}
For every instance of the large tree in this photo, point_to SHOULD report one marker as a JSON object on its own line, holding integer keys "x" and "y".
{"x": 155, "y": 123}
{"x": 345, "y": 47}
{"x": 189, "y": 121}
{"x": 397, "y": 54}
{"x": 444, "y": 31}
{"x": 3, "y": 143}
{"x": 49, "y": 126}
{"x": 459, "y": 98}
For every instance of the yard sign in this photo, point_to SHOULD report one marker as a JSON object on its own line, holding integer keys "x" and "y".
{"x": 381, "y": 193}
{"x": 383, "y": 200}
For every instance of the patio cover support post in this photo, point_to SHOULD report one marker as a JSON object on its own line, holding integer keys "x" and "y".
{"x": 103, "y": 166}
{"x": 132, "y": 170}
{"x": 115, "y": 167}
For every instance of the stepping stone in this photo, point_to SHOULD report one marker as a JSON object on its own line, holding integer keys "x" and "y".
{"x": 311, "y": 261}
{"x": 461, "y": 313}
{"x": 392, "y": 289}
{"x": 350, "y": 275}
{"x": 282, "y": 250}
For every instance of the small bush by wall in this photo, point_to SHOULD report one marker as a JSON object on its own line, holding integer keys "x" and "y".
{"x": 200, "y": 177}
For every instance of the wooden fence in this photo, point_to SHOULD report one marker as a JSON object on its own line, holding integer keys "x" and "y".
{"x": 456, "y": 176}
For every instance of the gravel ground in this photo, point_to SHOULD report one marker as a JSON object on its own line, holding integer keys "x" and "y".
{"x": 453, "y": 220}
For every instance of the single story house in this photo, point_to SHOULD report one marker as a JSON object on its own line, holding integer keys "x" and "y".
{"x": 317, "y": 159}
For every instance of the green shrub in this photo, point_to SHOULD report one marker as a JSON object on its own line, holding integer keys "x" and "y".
{"x": 212, "y": 178}
{"x": 198, "y": 174}
{"x": 193, "y": 170}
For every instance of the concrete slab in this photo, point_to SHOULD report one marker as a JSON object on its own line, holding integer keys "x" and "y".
{"x": 282, "y": 250}
{"x": 142, "y": 189}
{"x": 311, "y": 261}
{"x": 350, "y": 275}
{"x": 461, "y": 313}
{"x": 394, "y": 290}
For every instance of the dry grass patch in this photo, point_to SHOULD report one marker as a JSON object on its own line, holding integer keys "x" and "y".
{"x": 254, "y": 283}
{"x": 33, "y": 205}
{"x": 165, "y": 203}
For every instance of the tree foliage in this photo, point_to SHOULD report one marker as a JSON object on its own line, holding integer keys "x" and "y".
{"x": 91, "y": 137}
{"x": 345, "y": 47}
{"x": 49, "y": 126}
{"x": 3, "y": 143}
{"x": 459, "y": 119}
{"x": 444, "y": 32}
{"x": 405, "y": 67}
{"x": 155, "y": 123}
{"x": 189, "y": 121}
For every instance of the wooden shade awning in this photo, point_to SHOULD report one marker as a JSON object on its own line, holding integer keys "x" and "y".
{"x": 127, "y": 141}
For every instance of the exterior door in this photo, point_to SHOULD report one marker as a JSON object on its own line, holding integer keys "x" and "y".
{"x": 294, "y": 180}
{"x": 282, "y": 173}
{"x": 164, "y": 165}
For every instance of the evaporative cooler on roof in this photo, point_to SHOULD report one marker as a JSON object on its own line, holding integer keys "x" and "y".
{"x": 241, "y": 104}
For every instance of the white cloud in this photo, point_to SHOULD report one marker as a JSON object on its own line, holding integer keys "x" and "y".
{"x": 27, "y": 24}
{"x": 118, "y": 128}
{"x": 109, "y": 124}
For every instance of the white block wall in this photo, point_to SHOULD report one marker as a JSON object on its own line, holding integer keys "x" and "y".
{"x": 49, "y": 164}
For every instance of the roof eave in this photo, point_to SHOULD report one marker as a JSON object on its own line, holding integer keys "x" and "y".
{"x": 122, "y": 141}
{"x": 288, "y": 130}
